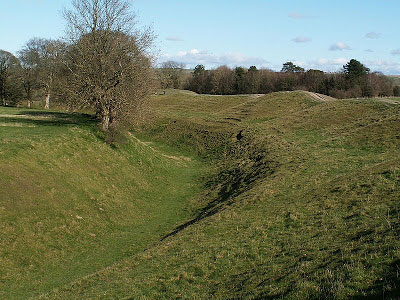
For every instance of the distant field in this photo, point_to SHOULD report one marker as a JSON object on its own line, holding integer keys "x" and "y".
{"x": 396, "y": 79}
{"x": 283, "y": 196}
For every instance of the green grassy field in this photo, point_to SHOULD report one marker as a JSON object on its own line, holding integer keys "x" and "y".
{"x": 71, "y": 205}
{"x": 214, "y": 197}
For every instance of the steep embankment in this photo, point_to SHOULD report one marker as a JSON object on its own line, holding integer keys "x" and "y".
{"x": 303, "y": 204}
{"x": 71, "y": 205}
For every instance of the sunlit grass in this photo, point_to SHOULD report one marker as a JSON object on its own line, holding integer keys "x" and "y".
{"x": 283, "y": 197}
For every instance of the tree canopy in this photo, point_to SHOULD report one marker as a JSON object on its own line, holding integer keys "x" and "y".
{"x": 9, "y": 71}
{"x": 170, "y": 74}
{"x": 355, "y": 69}
{"x": 107, "y": 63}
{"x": 290, "y": 67}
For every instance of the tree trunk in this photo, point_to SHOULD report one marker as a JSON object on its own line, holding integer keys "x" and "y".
{"x": 47, "y": 101}
{"x": 105, "y": 122}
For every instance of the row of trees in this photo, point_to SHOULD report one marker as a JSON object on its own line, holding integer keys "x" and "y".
{"x": 10, "y": 92}
{"x": 171, "y": 75}
{"x": 104, "y": 64}
{"x": 354, "y": 81}
{"x": 32, "y": 74}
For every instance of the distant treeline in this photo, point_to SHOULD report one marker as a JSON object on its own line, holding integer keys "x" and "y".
{"x": 355, "y": 80}
{"x": 41, "y": 70}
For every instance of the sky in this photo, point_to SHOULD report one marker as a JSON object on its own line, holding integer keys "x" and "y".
{"x": 317, "y": 34}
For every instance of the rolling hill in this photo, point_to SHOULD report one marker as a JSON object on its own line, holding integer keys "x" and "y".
{"x": 279, "y": 196}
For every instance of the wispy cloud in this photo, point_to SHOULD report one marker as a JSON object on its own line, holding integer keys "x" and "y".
{"x": 299, "y": 16}
{"x": 395, "y": 52}
{"x": 334, "y": 65}
{"x": 372, "y": 35}
{"x": 194, "y": 57}
{"x": 32, "y": 1}
{"x": 324, "y": 64}
{"x": 301, "y": 39}
{"x": 369, "y": 50}
{"x": 330, "y": 62}
{"x": 384, "y": 66}
{"x": 174, "y": 39}
{"x": 339, "y": 46}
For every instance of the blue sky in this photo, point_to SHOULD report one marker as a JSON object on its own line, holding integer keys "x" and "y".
{"x": 312, "y": 33}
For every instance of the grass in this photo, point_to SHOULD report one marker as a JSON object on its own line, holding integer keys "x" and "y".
{"x": 71, "y": 205}
{"x": 397, "y": 99}
{"x": 299, "y": 201}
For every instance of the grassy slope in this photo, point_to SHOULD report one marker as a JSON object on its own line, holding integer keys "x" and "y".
{"x": 71, "y": 205}
{"x": 304, "y": 205}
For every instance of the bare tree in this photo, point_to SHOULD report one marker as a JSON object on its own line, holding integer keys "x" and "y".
{"x": 51, "y": 54}
{"x": 170, "y": 75}
{"x": 41, "y": 60}
{"x": 9, "y": 67}
{"x": 107, "y": 62}
{"x": 29, "y": 58}
{"x": 223, "y": 81}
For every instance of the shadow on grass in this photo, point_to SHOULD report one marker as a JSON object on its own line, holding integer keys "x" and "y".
{"x": 388, "y": 288}
{"x": 56, "y": 118}
{"x": 32, "y": 118}
{"x": 232, "y": 182}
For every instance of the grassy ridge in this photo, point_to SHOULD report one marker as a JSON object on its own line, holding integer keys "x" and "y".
{"x": 303, "y": 204}
{"x": 71, "y": 205}
{"x": 300, "y": 201}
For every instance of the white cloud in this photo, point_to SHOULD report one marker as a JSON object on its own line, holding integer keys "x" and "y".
{"x": 299, "y": 16}
{"x": 372, "y": 35}
{"x": 369, "y": 50}
{"x": 340, "y": 61}
{"x": 395, "y": 52}
{"x": 194, "y": 57}
{"x": 339, "y": 46}
{"x": 334, "y": 65}
{"x": 331, "y": 62}
{"x": 300, "y": 63}
{"x": 301, "y": 39}
{"x": 174, "y": 39}
{"x": 324, "y": 64}
{"x": 384, "y": 66}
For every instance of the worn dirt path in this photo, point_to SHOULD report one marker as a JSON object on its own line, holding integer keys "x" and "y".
{"x": 320, "y": 97}
{"x": 181, "y": 158}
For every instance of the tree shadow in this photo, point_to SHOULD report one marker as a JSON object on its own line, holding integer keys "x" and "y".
{"x": 388, "y": 288}
{"x": 41, "y": 118}
{"x": 59, "y": 118}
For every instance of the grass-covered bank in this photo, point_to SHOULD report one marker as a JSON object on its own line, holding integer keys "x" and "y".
{"x": 71, "y": 205}
{"x": 311, "y": 210}
{"x": 300, "y": 201}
